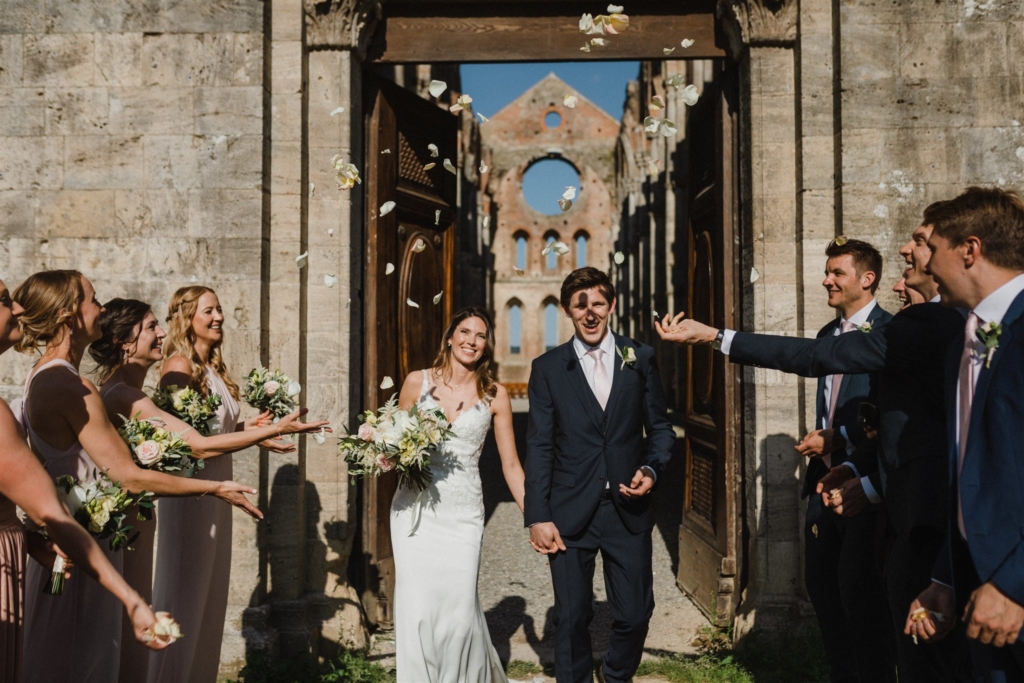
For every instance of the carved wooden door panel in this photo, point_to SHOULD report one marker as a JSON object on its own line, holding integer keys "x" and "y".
{"x": 710, "y": 534}
{"x": 403, "y": 325}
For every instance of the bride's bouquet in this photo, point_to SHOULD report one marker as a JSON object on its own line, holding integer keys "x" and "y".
{"x": 190, "y": 406}
{"x": 101, "y": 506}
{"x": 394, "y": 439}
{"x": 271, "y": 390}
{"x": 155, "y": 448}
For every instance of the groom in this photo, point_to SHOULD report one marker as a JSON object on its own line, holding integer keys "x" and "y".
{"x": 599, "y": 437}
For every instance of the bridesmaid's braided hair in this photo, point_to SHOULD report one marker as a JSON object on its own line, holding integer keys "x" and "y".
{"x": 50, "y": 298}
{"x": 121, "y": 323}
{"x": 486, "y": 386}
{"x": 181, "y": 338}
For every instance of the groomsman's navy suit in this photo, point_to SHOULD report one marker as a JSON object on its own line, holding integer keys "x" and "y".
{"x": 991, "y": 487}
{"x": 576, "y": 451}
{"x": 908, "y": 463}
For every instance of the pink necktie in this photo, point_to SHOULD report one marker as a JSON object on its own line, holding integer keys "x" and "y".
{"x": 602, "y": 387}
{"x": 837, "y": 381}
{"x": 966, "y": 399}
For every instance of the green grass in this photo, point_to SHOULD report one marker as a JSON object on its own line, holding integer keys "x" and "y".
{"x": 517, "y": 668}
{"x": 351, "y": 666}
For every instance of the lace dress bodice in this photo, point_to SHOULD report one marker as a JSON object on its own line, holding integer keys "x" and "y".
{"x": 456, "y": 465}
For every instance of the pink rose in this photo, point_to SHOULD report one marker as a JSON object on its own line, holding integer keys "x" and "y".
{"x": 384, "y": 463}
{"x": 366, "y": 432}
{"x": 271, "y": 387}
{"x": 148, "y": 452}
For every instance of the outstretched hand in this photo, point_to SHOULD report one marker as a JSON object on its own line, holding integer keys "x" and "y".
{"x": 290, "y": 424}
{"x": 545, "y": 539}
{"x": 682, "y": 331}
{"x": 640, "y": 486}
{"x": 143, "y": 621}
{"x": 234, "y": 493}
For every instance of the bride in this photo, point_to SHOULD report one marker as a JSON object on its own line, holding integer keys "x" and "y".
{"x": 440, "y": 632}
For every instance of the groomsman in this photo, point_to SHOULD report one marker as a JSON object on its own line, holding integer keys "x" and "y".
{"x": 910, "y": 473}
{"x": 977, "y": 247}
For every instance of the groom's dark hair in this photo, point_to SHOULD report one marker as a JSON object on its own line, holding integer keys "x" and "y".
{"x": 586, "y": 278}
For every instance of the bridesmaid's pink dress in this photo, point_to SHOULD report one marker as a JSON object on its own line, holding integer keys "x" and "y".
{"x": 12, "y": 577}
{"x": 193, "y": 566}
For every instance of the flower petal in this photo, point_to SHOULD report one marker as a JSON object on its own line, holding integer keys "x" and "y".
{"x": 300, "y": 260}
{"x": 419, "y": 246}
{"x": 519, "y": 271}
{"x": 669, "y": 128}
{"x": 483, "y": 168}
{"x": 312, "y": 189}
{"x": 547, "y": 250}
{"x": 686, "y": 43}
{"x": 676, "y": 81}
{"x": 651, "y": 125}
{"x": 330, "y": 280}
{"x": 586, "y": 23}
{"x": 429, "y": 166}
{"x": 690, "y": 95}
{"x": 615, "y": 9}
{"x": 389, "y": 268}
{"x": 565, "y": 204}
{"x": 437, "y": 217}
{"x": 437, "y": 297}
{"x": 487, "y": 222}
{"x": 387, "y": 382}
{"x": 339, "y": 110}
{"x": 449, "y": 167}
{"x": 652, "y": 167}
{"x": 570, "y": 192}
{"x": 386, "y": 208}
{"x": 411, "y": 303}
{"x": 668, "y": 50}
{"x": 561, "y": 249}
{"x": 320, "y": 437}
{"x": 617, "y": 22}
{"x": 619, "y": 258}
{"x": 658, "y": 101}
{"x": 483, "y": 119}
{"x": 385, "y": 151}
{"x": 585, "y": 48}
{"x": 432, "y": 148}
{"x": 436, "y": 88}
{"x": 600, "y": 42}
{"x": 570, "y": 101}
{"x": 754, "y": 275}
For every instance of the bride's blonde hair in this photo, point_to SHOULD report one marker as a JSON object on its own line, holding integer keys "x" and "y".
{"x": 181, "y": 338}
{"x": 486, "y": 386}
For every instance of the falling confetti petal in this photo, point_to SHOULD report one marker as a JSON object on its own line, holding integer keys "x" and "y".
{"x": 615, "y": 9}
{"x": 565, "y": 204}
{"x": 432, "y": 149}
{"x": 429, "y": 166}
{"x": 387, "y": 382}
{"x": 570, "y": 101}
{"x": 437, "y": 297}
{"x": 389, "y": 268}
{"x": 300, "y": 260}
{"x": 676, "y": 81}
{"x": 664, "y": 126}
{"x": 686, "y": 43}
{"x": 330, "y": 232}
{"x": 690, "y": 95}
{"x": 519, "y": 271}
{"x": 339, "y": 110}
{"x": 487, "y": 222}
{"x": 437, "y": 216}
{"x": 754, "y": 275}
{"x": 619, "y": 258}
{"x": 652, "y": 167}
{"x": 347, "y": 174}
{"x": 483, "y": 168}
{"x": 600, "y": 42}
{"x": 586, "y": 23}
{"x": 411, "y": 303}
{"x": 460, "y": 104}
{"x": 330, "y": 280}
{"x": 419, "y": 246}
{"x": 570, "y": 192}
{"x": 312, "y": 189}
{"x": 657, "y": 103}
{"x": 448, "y": 167}
{"x": 561, "y": 249}
{"x": 386, "y": 208}
{"x": 668, "y": 50}
{"x": 585, "y": 48}
{"x": 668, "y": 128}
{"x": 385, "y": 151}
{"x": 436, "y": 88}
{"x": 320, "y": 437}
{"x": 483, "y": 119}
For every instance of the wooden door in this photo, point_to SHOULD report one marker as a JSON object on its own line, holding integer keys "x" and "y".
{"x": 710, "y": 533}
{"x": 417, "y": 238}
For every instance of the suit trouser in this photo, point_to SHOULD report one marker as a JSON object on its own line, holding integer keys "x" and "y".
{"x": 848, "y": 594}
{"x": 908, "y": 571}
{"x": 629, "y": 583}
{"x": 990, "y": 664}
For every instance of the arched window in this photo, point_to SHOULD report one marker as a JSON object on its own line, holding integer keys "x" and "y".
{"x": 521, "y": 251}
{"x": 552, "y": 258}
{"x": 550, "y": 325}
{"x": 515, "y": 328}
{"x": 581, "y": 250}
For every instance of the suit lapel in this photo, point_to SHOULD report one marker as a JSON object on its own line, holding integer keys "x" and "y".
{"x": 873, "y": 317}
{"x": 578, "y": 381}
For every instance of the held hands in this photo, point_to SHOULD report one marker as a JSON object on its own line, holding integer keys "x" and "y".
{"x": 143, "y": 621}
{"x": 816, "y": 444}
{"x": 234, "y": 493}
{"x": 683, "y": 331}
{"x": 640, "y": 486}
{"x": 931, "y": 616}
{"x": 45, "y": 552}
{"x": 545, "y": 539}
{"x": 849, "y": 499}
{"x": 993, "y": 618}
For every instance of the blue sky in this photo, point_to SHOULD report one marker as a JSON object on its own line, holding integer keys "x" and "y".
{"x": 493, "y": 86}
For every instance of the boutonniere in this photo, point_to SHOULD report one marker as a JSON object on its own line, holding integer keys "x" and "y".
{"x": 627, "y": 355}
{"x": 989, "y": 335}
{"x": 865, "y": 327}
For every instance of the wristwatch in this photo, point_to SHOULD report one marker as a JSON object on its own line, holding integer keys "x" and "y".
{"x": 717, "y": 343}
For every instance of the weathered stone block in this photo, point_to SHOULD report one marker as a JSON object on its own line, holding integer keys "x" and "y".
{"x": 31, "y": 163}
{"x": 286, "y": 20}
{"x": 182, "y": 258}
{"x": 22, "y": 16}
{"x": 59, "y": 59}
{"x": 11, "y": 59}
{"x": 286, "y": 168}
{"x": 934, "y": 155}
{"x": 77, "y": 111}
{"x": 22, "y": 111}
{"x": 18, "y": 209}
{"x": 286, "y": 67}
{"x": 198, "y": 16}
{"x": 993, "y": 156}
{"x": 229, "y": 110}
{"x": 231, "y": 162}
{"x": 153, "y": 111}
{"x": 143, "y": 213}
{"x": 172, "y": 161}
{"x": 862, "y": 152}
{"x": 870, "y": 51}
{"x": 75, "y": 213}
{"x": 286, "y": 116}
{"x": 118, "y": 59}
{"x": 106, "y": 16}
{"x": 195, "y": 59}
{"x": 102, "y": 162}
{"x": 225, "y": 213}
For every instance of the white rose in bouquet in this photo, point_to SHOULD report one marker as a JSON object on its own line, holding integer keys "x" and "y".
{"x": 149, "y": 452}
{"x": 294, "y": 388}
{"x": 98, "y": 519}
{"x": 271, "y": 387}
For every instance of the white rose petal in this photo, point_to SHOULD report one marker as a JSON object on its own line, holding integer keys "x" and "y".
{"x": 437, "y": 217}
{"x": 686, "y": 43}
{"x": 570, "y": 101}
{"x": 419, "y": 246}
{"x": 330, "y": 280}
{"x": 585, "y": 48}
{"x": 483, "y": 119}
{"x": 560, "y": 248}
{"x": 651, "y": 125}
{"x": 339, "y": 110}
{"x": 652, "y": 167}
{"x": 519, "y": 271}
{"x": 615, "y": 9}
{"x": 330, "y": 232}
{"x": 570, "y": 192}
{"x": 754, "y": 275}
{"x": 668, "y": 50}
{"x": 386, "y": 208}
{"x": 668, "y": 128}
{"x": 690, "y": 95}
{"x": 600, "y": 42}
{"x": 619, "y": 258}
{"x": 586, "y": 23}
{"x": 410, "y": 302}
{"x": 483, "y": 168}
{"x": 565, "y": 204}
{"x": 436, "y": 88}
{"x": 320, "y": 437}
{"x": 487, "y": 222}
{"x": 429, "y": 166}
{"x": 676, "y": 81}
{"x": 294, "y": 388}
{"x": 312, "y": 189}
{"x": 386, "y": 151}
{"x": 437, "y": 297}
{"x": 449, "y": 167}
{"x": 432, "y": 148}
{"x": 389, "y": 268}
{"x": 462, "y": 103}
{"x": 300, "y": 260}
{"x": 657, "y": 103}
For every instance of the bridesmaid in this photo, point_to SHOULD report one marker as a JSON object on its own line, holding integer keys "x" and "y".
{"x": 132, "y": 343}
{"x": 24, "y": 482}
{"x": 194, "y": 553}
{"x": 68, "y": 429}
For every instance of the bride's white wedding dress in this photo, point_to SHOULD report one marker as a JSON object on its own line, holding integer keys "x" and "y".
{"x": 440, "y": 632}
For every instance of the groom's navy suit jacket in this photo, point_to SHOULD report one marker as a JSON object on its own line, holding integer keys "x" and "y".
{"x": 908, "y": 353}
{"x": 575, "y": 449}
{"x": 991, "y": 482}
